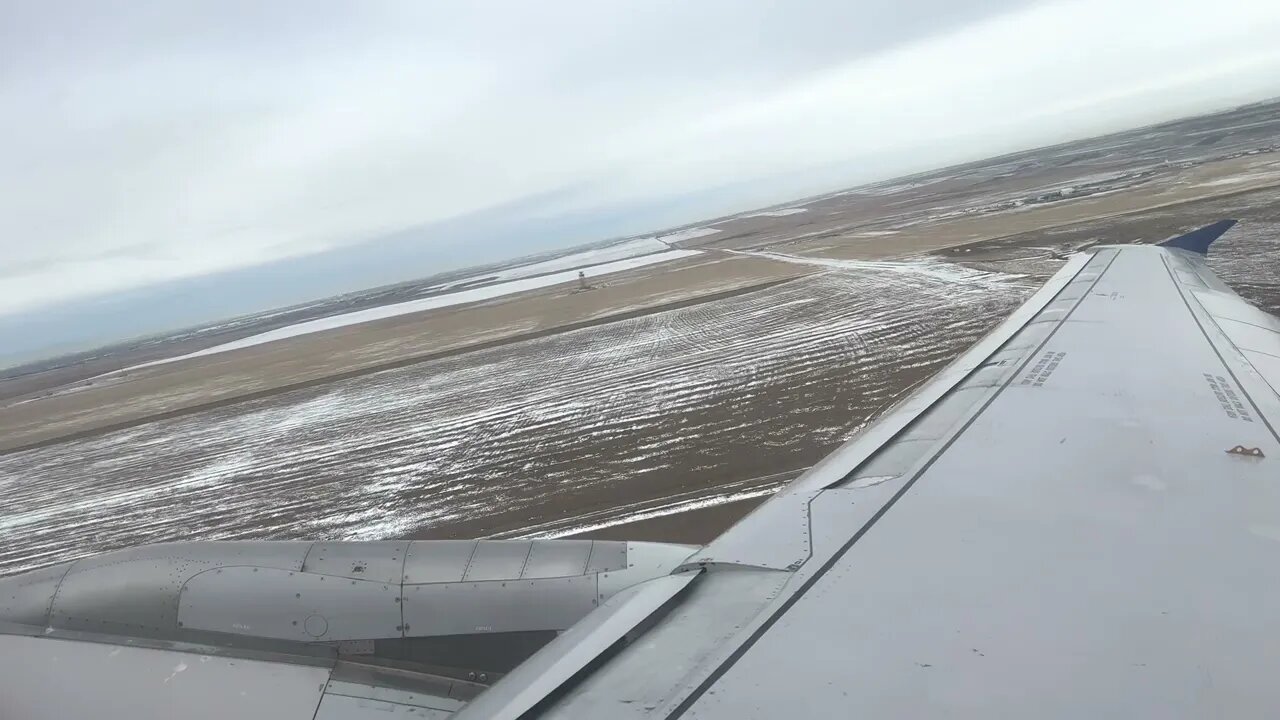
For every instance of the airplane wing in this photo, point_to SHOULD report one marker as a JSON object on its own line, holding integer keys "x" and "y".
{"x": 1077, "y": 517}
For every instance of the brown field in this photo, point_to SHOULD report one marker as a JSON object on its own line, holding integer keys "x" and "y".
{"x": 118, "y": 401}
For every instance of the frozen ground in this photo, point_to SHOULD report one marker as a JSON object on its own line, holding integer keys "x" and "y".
{"x": 461, "y": 297}
{"x": 672, "y": 410}
{"x": 924, "y": 266}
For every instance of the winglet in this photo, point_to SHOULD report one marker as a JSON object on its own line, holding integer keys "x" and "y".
{"x": 1198, "y": 241}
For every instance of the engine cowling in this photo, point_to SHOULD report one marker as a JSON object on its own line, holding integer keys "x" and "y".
{"x": 483, "y": 604}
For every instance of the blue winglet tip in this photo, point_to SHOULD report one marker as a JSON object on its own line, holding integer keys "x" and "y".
{"x": 1198, "y": 241}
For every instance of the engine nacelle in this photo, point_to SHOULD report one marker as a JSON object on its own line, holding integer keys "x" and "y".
{"x": 426, "y": 601}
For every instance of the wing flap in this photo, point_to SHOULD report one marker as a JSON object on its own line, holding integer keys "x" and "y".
{"x": 1240, "y": 327}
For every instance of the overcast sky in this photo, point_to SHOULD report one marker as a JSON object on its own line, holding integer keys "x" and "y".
{"x": 145, "y": 142}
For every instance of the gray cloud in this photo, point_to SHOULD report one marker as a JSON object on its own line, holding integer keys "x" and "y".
{"x": 149, "y": 142}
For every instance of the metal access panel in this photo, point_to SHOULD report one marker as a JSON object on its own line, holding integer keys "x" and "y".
{"x": 25, "y": 598}
{"x": 131, "y": 596}
{"x": 265, "y": 602}
{"x": 47, "y": 679}
{"x": 497, "y": 606}
{"x": 136, "y": 590}
{"x": 498, "y": 560}
{"x": 374, "y": 561}
{"x": 345, "y": 707}
{"x": 432, "y": 561}
{"x": 607, "y": 555}
{"x": 392, "y": 695}
{"x": 557, "y": 558}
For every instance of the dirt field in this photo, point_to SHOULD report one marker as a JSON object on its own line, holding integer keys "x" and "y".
{"x": 685, "y": 401}
{"x": 660, "y": 406}
{"x": 120, "y": 399}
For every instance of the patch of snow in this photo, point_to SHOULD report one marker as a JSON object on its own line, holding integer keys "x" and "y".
{"x": 487, "y": 292}
{"x": 777, "y": 213}
{"x": 927, "y": 267}
{"x": 574, "y": 261}
{"x": 1236, "y": 180}
{"x": 689, "y": 234}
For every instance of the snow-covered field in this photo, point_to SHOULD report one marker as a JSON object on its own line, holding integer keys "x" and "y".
{"x": 1256, "y": 178}
{"x": 460, "y": 297}
{"x": 926, "y": 266}
{"x": 655, "y": 414}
